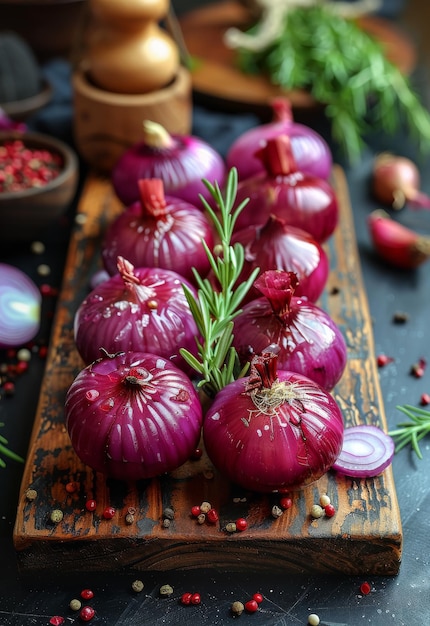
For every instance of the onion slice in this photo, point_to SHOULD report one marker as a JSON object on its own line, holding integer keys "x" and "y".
{"x": 366, "y": 452}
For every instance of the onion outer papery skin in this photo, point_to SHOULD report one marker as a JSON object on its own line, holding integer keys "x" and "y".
{"x": 172, "y": 243}
{"x": 277, "y": 245}
{"x": 309, "y": 340}
{"x": 20, "y": 306}
{"x": 158, "y": 321}
{"x": 133, "y": 432}
{"x": 181, "y": 167}
{"x": 266, "y": 453}
{"x": 302, "y": 201}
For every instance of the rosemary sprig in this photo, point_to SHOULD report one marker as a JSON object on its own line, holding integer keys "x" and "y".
{"x": 6, "y": 452}
{"x": 214, "y": 310}
{"x": 345, "y": 69}
{"x": 411, "y": 432}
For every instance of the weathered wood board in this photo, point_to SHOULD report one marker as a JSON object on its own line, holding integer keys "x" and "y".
{"x": 364, "y": 537}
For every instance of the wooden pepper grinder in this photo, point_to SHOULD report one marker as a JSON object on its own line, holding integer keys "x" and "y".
{"x": 131, "y": 72}
{"x": 128, "y": 51}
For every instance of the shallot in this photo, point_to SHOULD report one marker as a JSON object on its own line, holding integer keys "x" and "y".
{"x": 398, "y": 245}
{"x": 396, "y": 181}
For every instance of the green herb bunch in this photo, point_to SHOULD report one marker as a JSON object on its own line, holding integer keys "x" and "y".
{"x": 217, "y": 362}
{"x": 345, "y": 69}
{"x": 411, "y": 432}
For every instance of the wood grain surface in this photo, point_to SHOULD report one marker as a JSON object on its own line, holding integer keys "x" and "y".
{"x": 364, "y": 537}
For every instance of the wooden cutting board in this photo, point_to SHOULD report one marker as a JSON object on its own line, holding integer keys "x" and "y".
{"x": 217, "y": 78}
{"x": 364, "y": 537}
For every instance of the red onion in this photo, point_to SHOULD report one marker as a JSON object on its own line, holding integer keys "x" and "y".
{"x": 310, "y": 150}
{"x": 396, "y": 181}
{"x": 276, "y": 245}
{"x": 273, "y": 430}
{"x": 366, "y": 452}
{"x": 133, "y": 416}
{"x": 141, "y": 309}
{"x": 309, "y": 341}
{"x": 181, "y": 161}
{"x": 20, "y": 303}
{"x": 395, "y": 243}
{"x": 281, "y": 189}
{"x": 159, "y": 231}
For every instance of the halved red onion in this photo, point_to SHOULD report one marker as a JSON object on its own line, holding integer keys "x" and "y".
{"x": 366, "y": 451}
{"x": 309, "y": 341}
{"x": 282, "y": 189}
{"x": 181, "y": 161}
{"x": 142, "y": 309}
{"x": 159, "y": 231}
{"x": 276, "y": 245}
{"x": 311, "y": 151}
{"x": 20, "y": 304}
{"x": 133, "y": 416}
{"x": 273, "y": 429}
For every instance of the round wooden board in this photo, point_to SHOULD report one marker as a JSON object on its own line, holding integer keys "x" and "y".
{"x": 216, "y": 77}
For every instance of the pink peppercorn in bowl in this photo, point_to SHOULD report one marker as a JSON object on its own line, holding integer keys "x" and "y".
{"x": 38, "y": 182}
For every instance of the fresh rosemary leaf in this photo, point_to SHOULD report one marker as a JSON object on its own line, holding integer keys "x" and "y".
{"x": 411, "y": 432}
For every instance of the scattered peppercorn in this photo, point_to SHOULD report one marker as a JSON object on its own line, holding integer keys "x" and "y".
{"x": 286, "y": 502}
{"x": 400, "y": 317}
{"x": 241, "y": 524}
{"x": 205, "y": 507}
{"x": 276, "y": 511}
{"x": 169, "y": 513}
{"x": 425, "y": 399}
{"x": 258, "y": 597}
{"x": 313, "y": 619}
{"x": 382, "y": 360}
{"x": 317, "y": 511}
{"x": 201, "y": 518}
{"x": 87, "y": 613}
{"x": 129, "y": 519}
{"x": 251, "y": 606}
{"x": 56, "y": 620}
{"x": 231, "y": 527}
{"x": 166, "y": 590}
{"x": 237, "y": 608}
{"x": 212, "y": 516}
{"x": 365, "y": 588}
{"x": 196, "y": 510}
{"x": 26, "y": 168}
{"x": 186, "y": 598}
{"x": 87, "y": 594}
{"x": 109, "y": 512}
{"x": 418, "y": 368}
{"x": 75, "y": 604}
{"x": 324, "y": 500}
{"x": 166, "y": 522}
{"x": 91, "y": 505}
{"x": 329, "y": 510}
{"x": 72, "y": 487}
{"x": 31, "y": 494}
{"x": 56, "y": 516}
{"x": 137, "y": 586}
{"x": 196, "y": 598}
{"x": 37, "y": 247}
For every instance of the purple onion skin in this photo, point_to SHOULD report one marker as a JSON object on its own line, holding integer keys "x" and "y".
{"x": 181, "y": 168}
{"x": 310, "y": 343}
{"x": 155, "y": 318}
{"x": 133, "y": 431}
{"x": 308, "y": 203}
{"x": 311, "y": 151}
{"x": 290, "y": 449}
{"x": 177, "y": 245}
{"x": 277, "y": 245}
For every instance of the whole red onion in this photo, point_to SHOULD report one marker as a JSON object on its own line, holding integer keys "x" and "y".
{"x": 273, "y": 430}
{"x": 142, "y": 309}
{"x": 159, "y": 231}
{"x": 276, "y": 245}
{"x": 181, "y": 161}
{"x": 302, "y": 200}
{"x": 309, "y": 341}
{"x": 133, "y": 416}
{"x": 311, "y": 152}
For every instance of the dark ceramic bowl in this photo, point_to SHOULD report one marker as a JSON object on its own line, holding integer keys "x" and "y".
{"x": 26, "y": 214}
